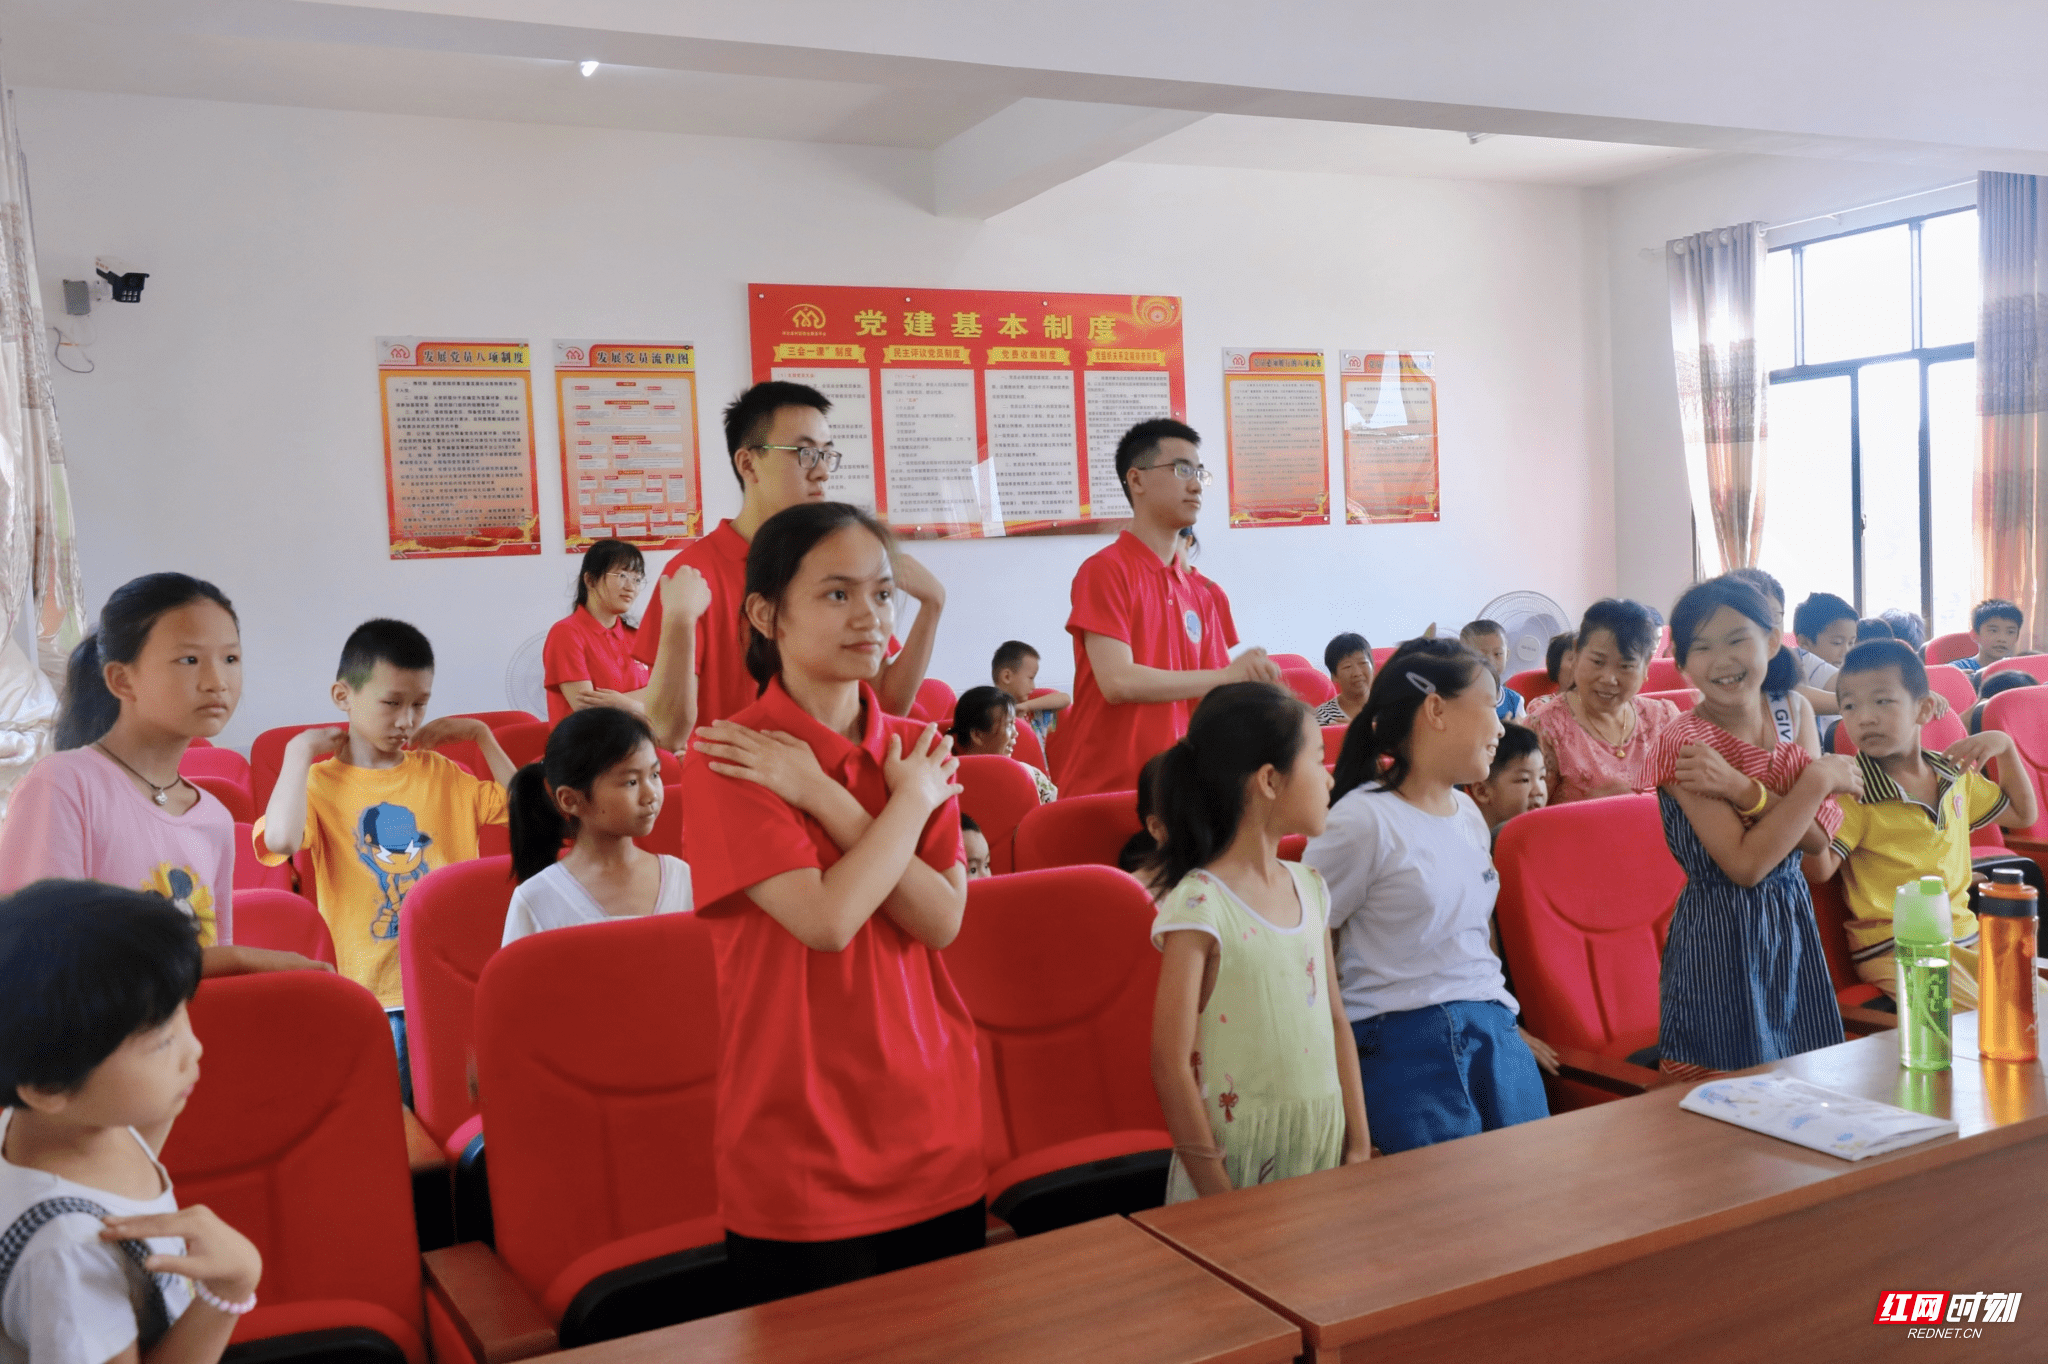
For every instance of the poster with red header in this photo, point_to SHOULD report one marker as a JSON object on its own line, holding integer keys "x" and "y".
{"x": 628, "y": 417}
{"x": 1390, "y": 450}
{"x": 1278, "y": 437}
{"x": 971, "y": 413}
{"x": 459, "y": 474}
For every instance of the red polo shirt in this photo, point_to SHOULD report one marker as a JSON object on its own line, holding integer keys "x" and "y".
{"x": 1172, "y": 619}
{"x": 724, "y": 687}
{"x": 849, "y": 1096}
{"x": 581, "y": 650}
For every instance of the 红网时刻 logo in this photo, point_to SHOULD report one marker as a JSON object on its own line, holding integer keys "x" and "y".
{"x": 1957, "y": 1315}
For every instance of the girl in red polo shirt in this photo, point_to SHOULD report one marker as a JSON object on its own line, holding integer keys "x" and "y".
{"x": 825, "y": 845}
{"x": 588, "y": 658}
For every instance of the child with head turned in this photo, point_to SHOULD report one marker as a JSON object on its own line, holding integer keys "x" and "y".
{"x": 1014, "y": 670}
{"x": 99, "y": 1264}
{"x": 974, "y": 845}
{"x": 985, "y": 722}
{"x": 1917, "y": 810}
{"x": 1825, "y": 626}
{"x": 1515, "y": 784}
{"x": 383, "y": 809}
{"x": 1487, "y": 639}
{"x": 1996, "y": 626}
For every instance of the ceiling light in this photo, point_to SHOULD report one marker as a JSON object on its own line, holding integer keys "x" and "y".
{"x": 588, "y": 68}
{"x": 1474, "y": 138}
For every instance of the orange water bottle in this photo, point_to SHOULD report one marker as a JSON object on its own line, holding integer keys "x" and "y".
{"x": 2008, "y": 922}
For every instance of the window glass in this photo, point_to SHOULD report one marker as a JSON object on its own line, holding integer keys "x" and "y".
{"x": 1808, "y": 537}
{"x": 1859, "y": 295}
{"x": 1949, "y": 284}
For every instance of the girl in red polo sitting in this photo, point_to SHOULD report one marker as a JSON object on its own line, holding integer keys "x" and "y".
{"x": 824, "y": 840}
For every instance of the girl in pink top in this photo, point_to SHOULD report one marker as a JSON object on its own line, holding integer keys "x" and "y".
{"x": 164, "y": 668}
{"x": 1595, "y": 733}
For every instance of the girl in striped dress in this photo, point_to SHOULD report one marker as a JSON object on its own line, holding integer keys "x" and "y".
{"x": 1744, "y": 980}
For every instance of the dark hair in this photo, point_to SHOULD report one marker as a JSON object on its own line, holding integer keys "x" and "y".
{"x": 1761, "y": 581}
{"x": 1818, "y": 612}
{"x": 1238, "y": 728}
{"x": 606, "y": 556}
{"x": 587, "y": 744}
{"x": 1143, "y": 440}
{"x": 977, "y": 710}
{"x": 1906, "y": 625}
{"x": 1011, "y": 653}
{"x": 1870, "y": 627}
{"x": 968, "y": 826}
{"x": 1516, "y": 743}
{"x": 1997, "y": 608}
{"x": 1140, "y": 846}
{"x": 778, "y": 553}
{"x": 84, "y": 967}
{"x": 1554, "y": 652}
{"x": 1699, "y": 603}
{"x": 1480, "y": 629}
{"x": 1342, "y": 647}
{"x": 382, "y": 641}
{"x": 2010, "y": 679}
{"x": 748, "y": 417}
{"x": 1878, "y": 654}
{"x": 131, "y": 612}
{"x": 1381, "y": 729}
{"x": 1635, "y": 634}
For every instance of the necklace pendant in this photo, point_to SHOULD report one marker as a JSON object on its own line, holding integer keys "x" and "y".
{"x": 1621, "y": 750}
{"x": 162, "y": 798}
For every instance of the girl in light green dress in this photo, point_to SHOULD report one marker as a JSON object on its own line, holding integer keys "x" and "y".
{"x": 1251, "y": 1054}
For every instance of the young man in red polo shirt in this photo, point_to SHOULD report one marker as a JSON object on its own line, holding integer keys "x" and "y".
{"x": 781, "y": 452}
{"x": 1151, "y": 636}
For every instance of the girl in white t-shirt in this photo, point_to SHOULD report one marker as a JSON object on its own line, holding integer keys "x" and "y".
{"x": 599, "y": 784}
{"x": 1412, "y": 885}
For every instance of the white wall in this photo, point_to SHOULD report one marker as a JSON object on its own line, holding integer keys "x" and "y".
{"x": 1653, "y": 546}
{"x": 231, "y": 426}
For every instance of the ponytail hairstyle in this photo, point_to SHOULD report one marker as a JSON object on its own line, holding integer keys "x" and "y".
{"x": 1781, "y": 674}
{"x": 1699, "y": 603}
{"x": 124, "y": 627}
{"x": 586, "y": 745}
{"x": 980, "y": 709}
{"x": 775, "y": 557}
{"x": 606, "y": 556}
{"x": 1198, "y": 790}
{"x": 1140, "y": 846}
{"x": 1376, "y": 745}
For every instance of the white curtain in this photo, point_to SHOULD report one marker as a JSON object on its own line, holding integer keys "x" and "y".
{"x": 2012, "y": 392}
{"x": 39, "y": 581}
{"x": 1715, "y": 280}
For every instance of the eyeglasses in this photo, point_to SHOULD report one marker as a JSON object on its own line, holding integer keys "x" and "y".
{"x": 810, "y": 456}
{"x": 1184, "y": 471}
{"x": 627, "y": 576}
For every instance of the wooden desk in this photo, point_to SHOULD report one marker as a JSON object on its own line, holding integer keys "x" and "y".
{"x": 1102, "y": 1290}
{"x": 1633, "y": 1231}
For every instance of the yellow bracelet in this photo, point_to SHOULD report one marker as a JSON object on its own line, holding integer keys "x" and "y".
{"x": 1761, "y": 801}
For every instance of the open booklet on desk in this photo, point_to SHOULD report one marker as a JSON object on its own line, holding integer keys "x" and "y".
{"x": 1816, "y": 1118}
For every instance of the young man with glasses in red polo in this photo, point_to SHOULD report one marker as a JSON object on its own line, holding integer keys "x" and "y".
{"x": 1151, "y": 636}
{"x": 781, "y": 452}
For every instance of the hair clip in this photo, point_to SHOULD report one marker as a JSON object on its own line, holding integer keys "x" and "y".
{"x": 1420, "y": 683}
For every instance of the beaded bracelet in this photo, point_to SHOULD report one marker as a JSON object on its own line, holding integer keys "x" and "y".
{"x": 220, "y": 1304}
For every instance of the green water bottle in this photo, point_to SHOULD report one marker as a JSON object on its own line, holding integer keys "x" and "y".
{"x": 1922, "y": 927}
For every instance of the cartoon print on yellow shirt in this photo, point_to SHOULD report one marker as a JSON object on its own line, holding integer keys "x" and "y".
{"x": 183, "y": 888}
{"x": 392, "y": 845}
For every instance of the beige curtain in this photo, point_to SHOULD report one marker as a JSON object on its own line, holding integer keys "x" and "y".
{"x": 2012, "y": 391}
{"x": 1715, "y": 279}
{"x": 39, "y": 582}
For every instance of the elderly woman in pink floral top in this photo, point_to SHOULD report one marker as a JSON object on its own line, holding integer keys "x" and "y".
{"x": 1595, "y": 734}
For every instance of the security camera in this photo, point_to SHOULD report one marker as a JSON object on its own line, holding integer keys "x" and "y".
{"x": 126, "y": 283}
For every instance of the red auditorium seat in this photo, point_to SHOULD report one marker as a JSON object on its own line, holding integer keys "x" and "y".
{"x": 499, "y": 719}
{"x": 1380, "y": 656}
{"x": 215, "y": 762}
{"x": 935, "y": 702}
{"x": 1685, "y": 698}
{"x": 294, "y": 1138}
{"x": 667, "y": 834}
{"x": 1309, "y": 684}
{"x": 1831, "y": 916}
{"x": 452, "y": 924}
{"x": 1664, "y": 675}
{"x": 283, "y": 921}
{"x": 597, "y": 1049}
{"x": 524, "y": 742}
{"x": 1077, "y": 830}
{"x": 1285, "y": 661}
{"x": 1586, "y": 893}
{"x": 1333, "y": 743}
{"x": 232, "y": 794}
{"x": 2023, "y": 713}
{"x": 2035, "y": 665}
{"x": 1954, "y": 685}
{"x": 1949, "y": 648}
{"x": 250, "y": 874}
{"x": 1532, "y": 684}
{"x": 1059, "y": 971}
{"x": 1029, "y": 749}
{"x": 998, "y": 792}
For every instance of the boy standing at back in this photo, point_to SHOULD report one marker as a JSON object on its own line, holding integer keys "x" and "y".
{"x": 1917, "y": 812}
{"x": 1487, "y": 639}
{"x": 1015, "y": 673}
{"x": 1825, "y": 627}
{"x": 1996, "y": 626}
{"x": 384, "y": 810}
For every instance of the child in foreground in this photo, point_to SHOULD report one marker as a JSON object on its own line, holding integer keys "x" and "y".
{"x": 1250, "y": 1054}
{"x": 598, "y": 788}
{"x": 1916, "y": 813}
{"x": 98, "y": 1264}
{"x": 1743, "y": 978}
{"x": 1412, "y": 889}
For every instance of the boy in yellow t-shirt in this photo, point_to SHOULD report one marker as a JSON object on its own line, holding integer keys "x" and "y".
{"x": 383, "y": 812}
{"x": 1917, "y": 811}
